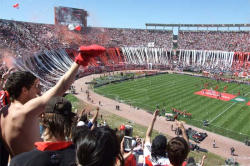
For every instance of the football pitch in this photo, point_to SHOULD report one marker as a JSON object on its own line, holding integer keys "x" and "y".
{"x": 167, "y": 91}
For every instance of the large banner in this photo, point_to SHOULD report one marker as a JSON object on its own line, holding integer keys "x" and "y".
{"x": 65, "y": 16}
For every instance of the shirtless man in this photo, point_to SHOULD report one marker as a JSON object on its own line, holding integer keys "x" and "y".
{"x": 19, "y": 125}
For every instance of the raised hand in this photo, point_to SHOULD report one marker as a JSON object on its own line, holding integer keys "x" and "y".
{"x": 179, "y": 124}
{"x": 156, "y": 113}
{"x": 7, "y": 73}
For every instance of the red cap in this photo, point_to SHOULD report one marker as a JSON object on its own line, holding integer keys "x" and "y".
{"x": 122, "y": 127}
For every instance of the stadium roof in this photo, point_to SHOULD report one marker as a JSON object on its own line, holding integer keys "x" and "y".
{"x": 198, "y": 25}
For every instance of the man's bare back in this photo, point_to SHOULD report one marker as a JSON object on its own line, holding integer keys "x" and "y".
{"x": 19, "y": 120}
{"x": 19, "y": 123}
{"x": 19, "y": 129}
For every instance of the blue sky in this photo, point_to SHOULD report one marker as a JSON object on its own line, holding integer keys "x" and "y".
{"x": 133, "y": 13}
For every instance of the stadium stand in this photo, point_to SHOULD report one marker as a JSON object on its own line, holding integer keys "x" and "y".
{"x": 214, "y": 40}
{"x": 47, "y": 50}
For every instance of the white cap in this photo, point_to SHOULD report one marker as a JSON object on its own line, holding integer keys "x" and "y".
{"x": 80, "y": 123}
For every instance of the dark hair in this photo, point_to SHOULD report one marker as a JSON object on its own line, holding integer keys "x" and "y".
{"x": 190, "y": 160}
{"x": 157, "y": 150}
{"x": 116, "y": 129}
{"x": 17, "y": 81}
{"x": 177, "y": 149}
{"x": 159, "y": 146}
{"x": 98, "y": 147}
{"x": 57, "y": 125}
{"x": 77, "y": 131}
{"x": 84, "y": 118}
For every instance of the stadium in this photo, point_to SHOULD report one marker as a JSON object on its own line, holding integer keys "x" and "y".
{"x": 201, "y": 75}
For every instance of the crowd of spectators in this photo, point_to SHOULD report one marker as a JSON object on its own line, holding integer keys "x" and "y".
{"x": 24, "y": 40}
{"x": 214, "y": 40}
{"x": 65, "y": 135}
{"x": 24, "y": 37}
{"x": 140, "y": 37}
{"x": 27, "y": 38}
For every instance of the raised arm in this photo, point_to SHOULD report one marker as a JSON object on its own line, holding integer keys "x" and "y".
{"x": 126, "y": 155}
{"x": 83, "y": 111}
{"x": 59, "y": 89}
{"x": 84, "y": 56}
{"x": 203, "y": 160}
{"x": 5, "y": 76}
{"x": 184, "y": 134}
{"x": 142, "y": 143}
{"x": 151, "y": 126}
{"x": 96, "y": 115}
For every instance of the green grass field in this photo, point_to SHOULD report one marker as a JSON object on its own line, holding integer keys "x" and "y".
{"x": 231, "y": 119}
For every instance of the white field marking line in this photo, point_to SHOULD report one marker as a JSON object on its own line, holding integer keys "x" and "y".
{"x": 228, "y": 130}
{"x": 146, "y": 90}
{"x": 221, "y": 113}
{"x": 134, "y": 101}
{"x": 247, "y": 93}
{"x": 139, "y": 102}
{"x": 131, "y": 101}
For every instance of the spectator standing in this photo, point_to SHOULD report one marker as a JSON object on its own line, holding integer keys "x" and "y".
{"x": 20, "y": 118}
{"x": 214, "y": 144}
{"x": 246, "y": 141}
{"x": 5, "y": 76}
{"x": 155, "y": 152}
{"x": 232, "y": 150}
{"x": 4, "y": 95}
{"x": 129, "y": 156}
{"x": 105, "y": 152}
{"x": 57, "y": 123}
{"x": 89, "y": 123}
{"x": 191, "y": 161}
{"x": 178, "y": 147}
